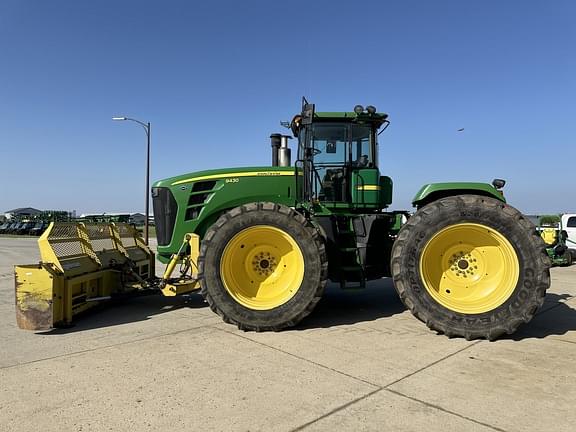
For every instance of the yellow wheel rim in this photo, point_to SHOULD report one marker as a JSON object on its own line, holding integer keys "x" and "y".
{"x": 469, "y": 268}
{"x": 262, "y": 267}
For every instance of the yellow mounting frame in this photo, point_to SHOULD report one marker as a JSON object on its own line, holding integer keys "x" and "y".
{"x": 187, "y": 257}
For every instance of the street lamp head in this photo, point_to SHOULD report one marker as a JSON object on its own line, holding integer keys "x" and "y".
{"x": 119, "y": 118}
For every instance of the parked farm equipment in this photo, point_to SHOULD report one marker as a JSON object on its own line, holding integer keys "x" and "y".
{"x": 261, "y": 243}
{"x": 556, "y": 239}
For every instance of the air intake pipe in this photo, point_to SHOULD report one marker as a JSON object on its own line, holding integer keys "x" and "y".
{"x": 284, "y": 152}
{"x": 275, "y": 140}
{"x": 280, "y": 151}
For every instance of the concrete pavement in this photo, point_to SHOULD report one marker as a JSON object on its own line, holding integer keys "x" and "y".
{"x": 359, "y": 362}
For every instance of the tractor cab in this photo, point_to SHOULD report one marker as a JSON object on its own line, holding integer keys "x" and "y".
{"x": 338, "y": 156}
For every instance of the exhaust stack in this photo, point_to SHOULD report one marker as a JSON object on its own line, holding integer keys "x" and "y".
{"x": 284, "y": 151}
{"x": 275, "y": 140}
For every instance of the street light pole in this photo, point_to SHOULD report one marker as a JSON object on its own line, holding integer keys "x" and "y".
{"x": 146, "y": 127}
{"x": 146, "y": 227}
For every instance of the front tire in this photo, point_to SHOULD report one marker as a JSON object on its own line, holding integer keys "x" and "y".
{"x": 568, "y": 257}
{"x": 470, "y": 266}
{"x": 262, "y": 266}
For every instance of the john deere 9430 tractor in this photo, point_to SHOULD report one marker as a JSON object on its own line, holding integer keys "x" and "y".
{"x": 466, "y": 263}
{"x": 261, "y": 243}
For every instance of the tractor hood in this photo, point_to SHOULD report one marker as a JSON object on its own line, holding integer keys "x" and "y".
{"x": 190, "y": 203}
{"x": 224, "y": 173}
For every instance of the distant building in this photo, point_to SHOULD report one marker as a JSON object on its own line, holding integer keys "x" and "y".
{"x": 137, "y": 218}
{"x": 22, "y": 212}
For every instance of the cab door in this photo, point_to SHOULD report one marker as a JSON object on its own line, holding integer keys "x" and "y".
{"x": 365, "y": 187}
{"x": 365, "y": 177}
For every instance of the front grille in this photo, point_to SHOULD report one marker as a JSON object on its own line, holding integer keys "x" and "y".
{"x": 165, "y": 210}
{"x": 203, "y": 186}
{"x": 201, "y": 193}
{"x": 197, "y": 199}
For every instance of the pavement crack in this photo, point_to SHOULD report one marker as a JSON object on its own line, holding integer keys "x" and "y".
{"x": 433, "y": 363}
{"x": 102, "y": 347}
{"x": 444, "y": 410}
{"x": 378, "y": 389}
{"x": 564, "y": 340}
{"x": 337, "y": 409}
{"x": 301, "y": 358}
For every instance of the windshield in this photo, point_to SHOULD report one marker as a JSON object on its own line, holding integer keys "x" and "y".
{"x": 337, "y": 144}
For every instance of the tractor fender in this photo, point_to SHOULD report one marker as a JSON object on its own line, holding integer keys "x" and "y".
{"x": 205, "y": 225}
{"x": 435, "y": 191}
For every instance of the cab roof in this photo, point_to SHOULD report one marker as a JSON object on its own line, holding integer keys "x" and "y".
{"x": 377, "y": 118}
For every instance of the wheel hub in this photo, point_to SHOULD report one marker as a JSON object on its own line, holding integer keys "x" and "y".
{"x": 469, "y": 268}
{"x": 463, "y": 264}
{"x": 262, "y": 267}
{"x": 264, "y": 263}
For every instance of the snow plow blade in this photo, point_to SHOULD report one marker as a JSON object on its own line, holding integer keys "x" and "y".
{"x": 82, "y": 266}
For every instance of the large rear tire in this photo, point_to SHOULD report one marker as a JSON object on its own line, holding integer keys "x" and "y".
{"x": 470, "y": 266}
{"x": 262, "y": 266}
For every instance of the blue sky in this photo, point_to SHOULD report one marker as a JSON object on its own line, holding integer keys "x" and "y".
{"x": 216, "y": 78}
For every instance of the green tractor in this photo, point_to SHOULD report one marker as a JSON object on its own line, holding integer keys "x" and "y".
{"x": 466, "y": 263}
{"x": 555, "y": 238}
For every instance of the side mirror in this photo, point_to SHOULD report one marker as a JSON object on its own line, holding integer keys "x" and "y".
{"x": 498, "y": 183}
{"x": 563, "y": 235}
{"x": 307, "y": 113}
{"x": 295, "y": 125}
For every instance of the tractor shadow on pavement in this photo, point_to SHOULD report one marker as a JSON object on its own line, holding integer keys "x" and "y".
{"x": 129, "y": 311}
{"x": 556, "y": 317}
{"x": 337, "y": 307}
{"x": 345, "y": 307}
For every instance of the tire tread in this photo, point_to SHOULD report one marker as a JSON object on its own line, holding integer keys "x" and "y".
{"x": 426, "y": 217}
{"x": 227, "y": 217}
